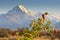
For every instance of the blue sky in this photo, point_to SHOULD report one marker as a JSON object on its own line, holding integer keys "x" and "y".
{"x": 51, "y": 6}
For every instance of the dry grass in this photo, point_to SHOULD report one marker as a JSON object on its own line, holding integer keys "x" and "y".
{"x": 42, "y": 38}
{"x": 37, "y": 38}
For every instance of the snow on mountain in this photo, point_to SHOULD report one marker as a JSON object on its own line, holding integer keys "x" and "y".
{"x": 27, "y": 11}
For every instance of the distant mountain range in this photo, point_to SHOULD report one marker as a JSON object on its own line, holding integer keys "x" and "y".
{"x": 19, "y": 16}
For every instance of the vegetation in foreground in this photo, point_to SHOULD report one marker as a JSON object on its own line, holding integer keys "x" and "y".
{"x": 37, "y": 28}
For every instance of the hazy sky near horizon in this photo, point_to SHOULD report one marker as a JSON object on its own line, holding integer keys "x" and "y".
{"x": 51, "y": 6}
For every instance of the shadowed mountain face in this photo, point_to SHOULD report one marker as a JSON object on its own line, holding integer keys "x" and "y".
{"x": 19, "y": 16}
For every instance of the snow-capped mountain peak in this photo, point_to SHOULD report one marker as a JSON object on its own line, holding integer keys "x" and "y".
{"x": 29, "y": 12}
{"x": 23, "y": 8}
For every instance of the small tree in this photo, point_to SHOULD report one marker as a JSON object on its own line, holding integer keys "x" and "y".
{"x": 41, "y": 24}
